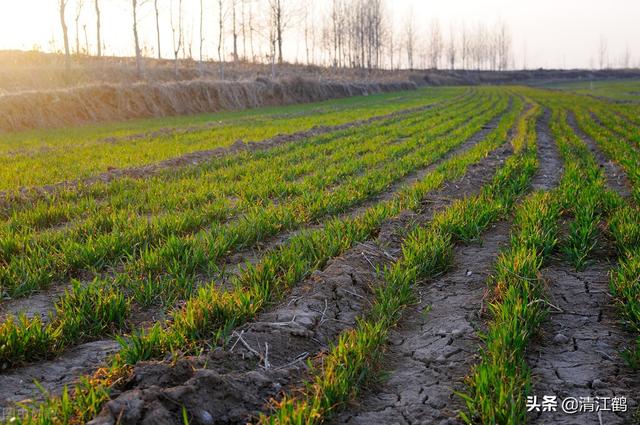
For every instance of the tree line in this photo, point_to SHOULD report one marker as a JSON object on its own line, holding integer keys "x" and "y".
{"x": 339, "y": 33}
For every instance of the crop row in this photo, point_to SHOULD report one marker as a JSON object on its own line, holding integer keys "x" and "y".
{"x": 127, "y": 192}
{"x": 426, "y": 253}
{"x": 46, "y": 157}
{"x": 54, "y": 256}
{"x": 212, "y": 312}
{"x": 499, "y": 384}
{"x": 49, "y": 340}
{"x": 621, "y": 152}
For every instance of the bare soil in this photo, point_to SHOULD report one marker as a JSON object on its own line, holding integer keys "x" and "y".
{"x": 578, "y": 351}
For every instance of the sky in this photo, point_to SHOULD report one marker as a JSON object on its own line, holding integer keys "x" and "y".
{"x": 546, "y": 33}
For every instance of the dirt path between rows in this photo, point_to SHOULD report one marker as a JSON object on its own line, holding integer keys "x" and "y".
{"x": 437, "y": 342}
{"x": 233, "y": 385}
{"x": 577, "y": 353}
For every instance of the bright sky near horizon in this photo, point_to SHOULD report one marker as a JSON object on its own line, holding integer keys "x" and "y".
{"x": 546, "y": 33}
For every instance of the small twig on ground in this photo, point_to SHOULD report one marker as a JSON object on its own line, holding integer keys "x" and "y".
{"x": 293, "y": 300}
{"x": 267, "y": 365}
{"x": 298, "y": 359}
{"x": 540, "y": 300}
{"x": 354, "y": 294}
{"x": 368, "y": 260}
{"x": 389, "y": 256}
{"x": 247, "y": 346}
{"x": 235, "y": 343}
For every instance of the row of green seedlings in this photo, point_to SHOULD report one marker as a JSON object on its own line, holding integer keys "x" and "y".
{"x": 618, "y": 124}
{"x": 427, "y": 253}
{"x": 624, "y": 221}
{"x": 499, "y": 384}
{"x": 98, "y": 155}
{"x": 618, "y": 150}
{"x": 113, "y": 244}
{"x": 193, "y": 187}
{"x": 630, "y": 113}
{"x": 56, "y": 257}
{"x": 211, "y": 314}
{"x": 624, "y": 231}
{"x": 43, "y": 340}
{"x": 61, "y": 206}
{"x": 623, "y": 224}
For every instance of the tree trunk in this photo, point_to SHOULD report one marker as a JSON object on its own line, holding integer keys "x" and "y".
{"x": 65, "y": 34}
{"x": 279, "y": 29}
{"x": 134, "y": 4}
{"x": 201, "y": 30}
{"x": 77, "y": 37}
{"x": 99, "y": 40}
{"x": 86, "y": 39}
{"x": 221, "y": 30}
{"x": 155, "y": 5}
{"x": 235, "y": 33}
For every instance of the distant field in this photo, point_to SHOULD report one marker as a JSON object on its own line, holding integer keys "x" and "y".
{"x": 435, "y": 255}
{"x": 43, "y": 157}
{"x": 626, "y": 90}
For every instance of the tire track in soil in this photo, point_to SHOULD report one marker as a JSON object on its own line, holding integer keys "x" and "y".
{"x": 233, "y": 385}
{"x": 616, "y": 177}
{"x": 436, "y": 344}
{"x": 577, "y": 353}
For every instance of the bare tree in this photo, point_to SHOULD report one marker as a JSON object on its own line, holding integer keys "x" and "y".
{"x": 436, "y": 44}
{"x": 626, "y": 58}
{"x": 79, "y": 5}
{"x": 478, "y": 46}
{"x": 251, "y": 31}
{"x": 62, "y": 4}
{"x": 157, "y": 14}
{"x": 504, "y": 46}
{"x": 220, "y": 37}
{"x": 602, "y": 52}
{"x": 452, "y": 49}
{"x": 201, "y": 29}
{"x": 96, "y": 3}
{"x": 234, "y": 29}
{"x": 243, "y": 28}
{"x": 177, "y": 34}
{"x": 86, "y": 39}
{"x": 409, "y": 39}
{"x": 277, "y": 24}
{"x": 136, "y": 40}
{"x": 307, "y": 29}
